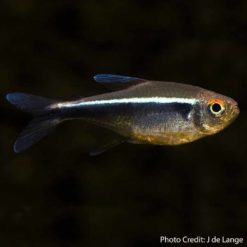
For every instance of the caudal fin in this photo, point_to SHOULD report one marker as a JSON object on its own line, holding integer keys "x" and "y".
{"x": 44, "y": 120}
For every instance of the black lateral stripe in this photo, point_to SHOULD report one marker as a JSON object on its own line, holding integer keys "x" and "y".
{"x": 131, "y": 108}
{"x": 183, "y": 109}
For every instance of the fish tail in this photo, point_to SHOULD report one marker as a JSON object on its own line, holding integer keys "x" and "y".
{"x": 45, "y": 118}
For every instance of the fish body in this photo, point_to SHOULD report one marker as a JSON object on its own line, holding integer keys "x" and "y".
{"x": 154, "y": 112}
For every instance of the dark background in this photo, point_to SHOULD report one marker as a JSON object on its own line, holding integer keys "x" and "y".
{"x": 55, "y": 194}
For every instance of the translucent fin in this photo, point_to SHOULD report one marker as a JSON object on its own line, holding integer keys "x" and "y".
{"x": 37, "y": 129}
{"x": 106, "y": 147}
{"x": 44, "y": 119}
{"x": 29, "y": 103}
{"x": 109, "y": 78}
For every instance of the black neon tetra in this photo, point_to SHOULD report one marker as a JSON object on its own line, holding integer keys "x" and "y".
{"x": 145, "y": 111}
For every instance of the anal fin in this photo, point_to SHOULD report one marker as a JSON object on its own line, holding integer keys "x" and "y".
{"x": 106, "y": 146}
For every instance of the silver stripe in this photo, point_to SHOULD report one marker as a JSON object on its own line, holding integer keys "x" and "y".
{"x": 158, "y": 100}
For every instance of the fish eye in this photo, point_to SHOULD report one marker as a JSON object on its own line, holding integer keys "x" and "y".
{"x": 216, "y": 107}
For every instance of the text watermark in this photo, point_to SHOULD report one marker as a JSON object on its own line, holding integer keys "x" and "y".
{"x": 201, "y": 240}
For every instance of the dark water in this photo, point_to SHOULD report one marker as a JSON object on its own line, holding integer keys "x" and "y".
{"x": 55, "y": 194}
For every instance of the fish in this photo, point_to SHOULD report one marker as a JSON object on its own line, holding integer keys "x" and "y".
{"x": 140, "y": 111}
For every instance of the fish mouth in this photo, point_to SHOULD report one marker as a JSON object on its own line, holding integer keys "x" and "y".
{"x": 236, "y": 108}
{"x": 235, "y": 111}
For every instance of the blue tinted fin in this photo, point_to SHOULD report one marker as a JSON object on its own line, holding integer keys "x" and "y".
{"x": 44, "y": 118}
{"x": 38, "y": 128}
{"x": 29, "y": 103}
{"x": 109, "y": 78}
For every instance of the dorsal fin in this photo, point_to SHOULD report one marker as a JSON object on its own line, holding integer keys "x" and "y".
{"x": 117, "y": 82}
{"x": 109, "y": 78}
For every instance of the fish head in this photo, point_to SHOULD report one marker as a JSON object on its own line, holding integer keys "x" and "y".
{"x": 218, "y": 111}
